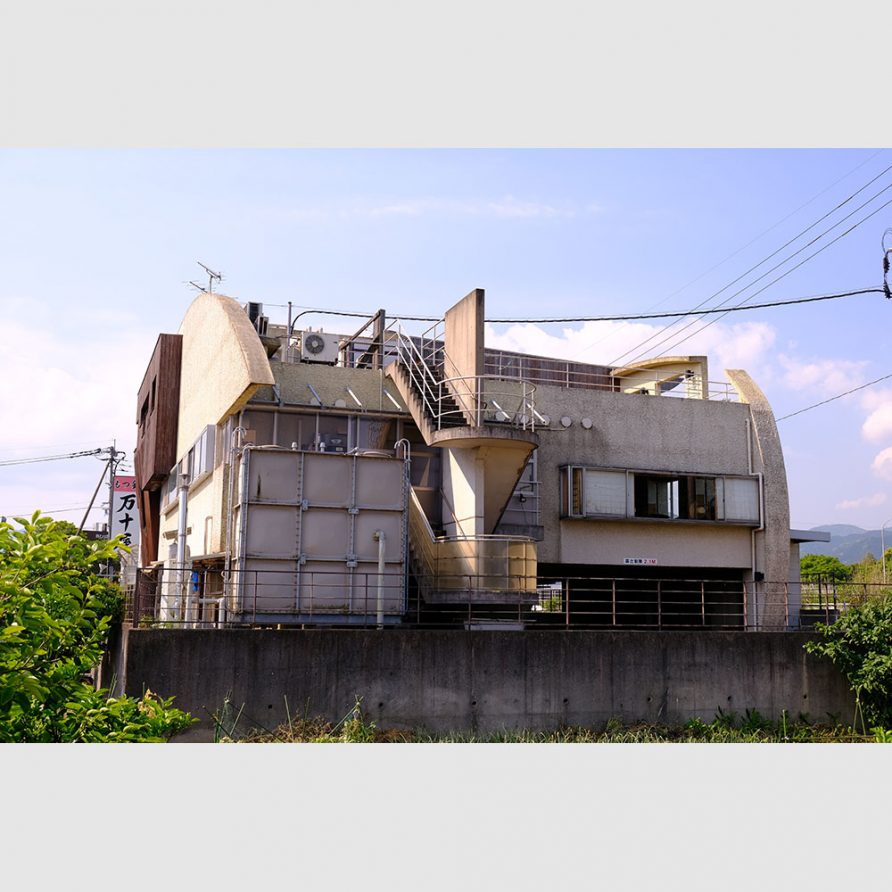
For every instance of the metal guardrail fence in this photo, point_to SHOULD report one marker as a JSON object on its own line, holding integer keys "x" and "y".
{"x": 207, "y": 598}
{"x": 459, "y": 400}
{"x": 497, "y": 564}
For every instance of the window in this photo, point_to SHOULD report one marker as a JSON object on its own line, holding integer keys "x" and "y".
{"x": 597, "y": 492}
{"x": 201, "y": 455}
{"x": 170, "y": 485}
{"x": 605, "y": 492}
{"x": 143, "y": 415}
{"x": 332, "y": 434}
{"x": 691, "y": 498}
{"x": 741, "y": 499}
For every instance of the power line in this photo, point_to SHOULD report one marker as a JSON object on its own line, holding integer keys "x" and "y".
{"x": 768, "y": 272}
{"x": 31, "y": 461}
{"x": 47, "y": 511}
{"x": 629, "y": 316}
{"x": 770, "y": 256}
{"x": 752, "y": 241}
{"x": 781, "y": 276}
{"x": 737, "y": 309}
{"x": 837, "y": 397}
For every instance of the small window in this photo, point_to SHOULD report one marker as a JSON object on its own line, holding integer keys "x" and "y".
{"x": 170, "y": 485}
{"x": 689, "y": 498}
{"x": 332, "y": 434}
{"x": 201, "y": 455}
{"x": 605, "y": 493}
{"x": 742, "y": 499}
{"x": 143, "y": 415}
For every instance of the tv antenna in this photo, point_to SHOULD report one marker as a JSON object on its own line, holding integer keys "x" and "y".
{"x": 211, "y": 277}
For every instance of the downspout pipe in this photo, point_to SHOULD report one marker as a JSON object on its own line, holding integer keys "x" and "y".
{"x": 750, "y": 448}
{"x": 380, "y": 538}
{"x": 227, "y": 565}
{"x": 181, "y": 590}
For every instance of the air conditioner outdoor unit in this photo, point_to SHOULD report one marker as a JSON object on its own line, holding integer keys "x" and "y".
{"x": 318, "y": 347}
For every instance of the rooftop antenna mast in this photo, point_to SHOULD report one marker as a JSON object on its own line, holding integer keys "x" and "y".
{"x": 211, "y": 277}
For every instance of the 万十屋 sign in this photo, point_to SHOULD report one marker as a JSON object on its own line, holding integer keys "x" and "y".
{"x": 640, "y": 562}
{"x": 124, "y": 511}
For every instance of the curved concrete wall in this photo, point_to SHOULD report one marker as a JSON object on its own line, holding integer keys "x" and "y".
{"x": 223, "y": 364}
{"x": 772, "y": 543}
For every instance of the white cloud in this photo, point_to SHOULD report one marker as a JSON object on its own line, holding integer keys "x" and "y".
{"x": 873, "y": 501}
{"x": 69, "y": 387}
{"x": 875, "y": 397}
{"x": 81, "y": 387}
{"x": 743, "y": 345}
{"x": 882, "y": 464}
{"x": 878, "y": 425}
{"x": 827, "y": 376}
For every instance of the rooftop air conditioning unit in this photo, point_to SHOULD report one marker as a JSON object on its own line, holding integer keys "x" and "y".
{"x": 318, "y": 347}
{"x": 255, "y": 314}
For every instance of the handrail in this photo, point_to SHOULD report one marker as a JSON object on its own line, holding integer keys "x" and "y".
{"x": 477, "y": 401}
{"x": 464, "y": 399}
{"x": 471, "y": 563}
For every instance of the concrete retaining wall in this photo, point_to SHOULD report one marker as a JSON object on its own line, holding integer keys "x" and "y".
{"x": 481, "y": 681}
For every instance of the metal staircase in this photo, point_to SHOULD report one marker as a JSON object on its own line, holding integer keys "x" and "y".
{"x": 482, "y": 422}
{"x": 439, "y": 402}
{"x": 463, "y": 569}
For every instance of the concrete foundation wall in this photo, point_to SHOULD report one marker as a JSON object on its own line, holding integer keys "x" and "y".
{"x": 481, "y": 681}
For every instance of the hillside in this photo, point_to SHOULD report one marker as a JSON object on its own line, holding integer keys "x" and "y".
{"x": 848, "y": 543}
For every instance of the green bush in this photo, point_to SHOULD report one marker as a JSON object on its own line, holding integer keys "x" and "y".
{"x": 55, "y": 616}
{"x": 860, "y": 644}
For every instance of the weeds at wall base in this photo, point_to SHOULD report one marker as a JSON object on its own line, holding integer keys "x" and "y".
{"x": 725, "y": 727}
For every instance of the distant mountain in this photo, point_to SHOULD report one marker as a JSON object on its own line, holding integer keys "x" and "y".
{"x": 848, "y": 543}
{"x": 842, "y": 529}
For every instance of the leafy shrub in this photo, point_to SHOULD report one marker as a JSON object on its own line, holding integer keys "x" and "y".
{"x": 55, "y": 616}
{"x": 860, "y": 644}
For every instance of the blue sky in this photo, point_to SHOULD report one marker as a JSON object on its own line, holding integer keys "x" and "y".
{"x": 96, "y": 245}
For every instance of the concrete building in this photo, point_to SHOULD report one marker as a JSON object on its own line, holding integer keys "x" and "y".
{"x": 291, "y": 476}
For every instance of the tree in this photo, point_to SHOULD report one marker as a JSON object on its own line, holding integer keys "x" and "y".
{"x": 824, "y": 567}
{"x": 55, "y": 616}
{"x": 860, "y": 644}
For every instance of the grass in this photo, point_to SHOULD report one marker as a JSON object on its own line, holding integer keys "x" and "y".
{"x": 725, "y": 727}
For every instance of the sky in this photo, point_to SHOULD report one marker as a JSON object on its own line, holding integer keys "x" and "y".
{"x": 97, "y": 247}
{"x": 102, "y": 226}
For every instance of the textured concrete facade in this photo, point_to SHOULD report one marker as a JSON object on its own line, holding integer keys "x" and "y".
{"x": 642, "y": 433}
{"x": 772, "y": 543}
{"x": 223, "y": 364}
{"x": 483, "y": 681}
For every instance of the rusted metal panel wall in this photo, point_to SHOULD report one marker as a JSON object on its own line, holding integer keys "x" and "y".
{"x": 305, "y": 542}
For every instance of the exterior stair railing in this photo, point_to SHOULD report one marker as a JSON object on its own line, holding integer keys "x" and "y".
{"x": 498, "y": 568}
{"x": 462, "y": 400}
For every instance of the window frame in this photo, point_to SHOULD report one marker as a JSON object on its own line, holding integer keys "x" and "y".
{"x": 573, "y": 503}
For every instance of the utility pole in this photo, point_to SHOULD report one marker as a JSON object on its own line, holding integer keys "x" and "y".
{"x": 110, "y": 450}
{"x": 114, "y": 457}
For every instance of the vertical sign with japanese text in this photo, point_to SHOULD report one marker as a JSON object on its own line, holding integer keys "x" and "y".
{"x": 124, "y": 510}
